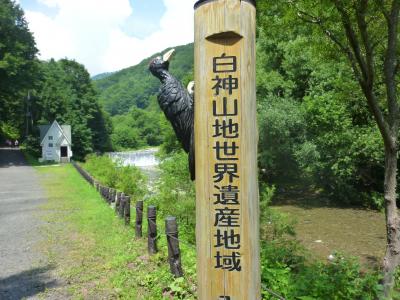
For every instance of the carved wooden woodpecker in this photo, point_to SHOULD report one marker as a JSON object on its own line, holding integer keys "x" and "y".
{"x": 177, "y": 103}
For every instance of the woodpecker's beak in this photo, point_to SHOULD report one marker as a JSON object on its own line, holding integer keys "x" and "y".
{"x": 190, "y": 88}
{"x": 167, "y": 56}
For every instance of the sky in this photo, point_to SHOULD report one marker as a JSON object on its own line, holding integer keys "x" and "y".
{"x": 108, "y": 35}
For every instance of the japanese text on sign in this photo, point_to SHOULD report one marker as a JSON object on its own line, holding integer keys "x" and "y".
{"x": 225, "y": 128}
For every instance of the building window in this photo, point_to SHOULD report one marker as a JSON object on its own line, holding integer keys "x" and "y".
{"x": 50, "y": 137}
{"x": 50, "y": 145}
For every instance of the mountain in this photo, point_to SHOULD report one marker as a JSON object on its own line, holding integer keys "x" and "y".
{"x": 102, "y": 75}
{"x": 135, "y": 86}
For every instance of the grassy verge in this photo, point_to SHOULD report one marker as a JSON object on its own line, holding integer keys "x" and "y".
{"x": 32, "y": 160}
{"x": 96, "y": 253}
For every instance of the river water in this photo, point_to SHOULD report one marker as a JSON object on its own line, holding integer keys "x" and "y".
{"x": 145, "y": 160}
{"x": 140, "y": 158}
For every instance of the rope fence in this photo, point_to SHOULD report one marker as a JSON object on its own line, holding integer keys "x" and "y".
{"x": 122, "y": 207}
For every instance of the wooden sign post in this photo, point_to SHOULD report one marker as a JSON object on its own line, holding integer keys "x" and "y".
{"x": 227, "y": 204}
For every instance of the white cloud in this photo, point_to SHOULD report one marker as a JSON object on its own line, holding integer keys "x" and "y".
{"x": 90, "y": 31}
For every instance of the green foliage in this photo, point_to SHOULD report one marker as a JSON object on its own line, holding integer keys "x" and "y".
{"x": 136, "y": 129}
{"x": 115, "y": 266}
{"x": 173, "y": 195}
{"x": 285, "y": 271}
{"x": 314, "y": 123}
{"x": 102, "y": 75}
{"x": 176, "y": 194}
{"x": 345, "y": 140}
{"x": 58, "y": 90}
{"x": 273, "y": 224}
{"x": 9, "y": 131}
{"x": 66, "y": 94}
{"x": 285, "y": 266}
{"x": 131, "y": 181}
{"x": 127, "y": 179}
{"x": 180, "y": 289}
{"x": 282, "y": 129}
{"x": 171, "y": 143}
{"x": 130, "y": 96}
{"x": 340, "y": 279}
{"x": 134, "y": 86}
{"x": 102, "y": 168}
{"x": 32, "y": 145}
{"x": 18, "y": 65}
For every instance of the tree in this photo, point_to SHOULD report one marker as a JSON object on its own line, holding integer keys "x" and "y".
{"x": 66, "y": 94}
{"x": 366, "y": 33}
{"x": 18, "y": 64}
{"x": 315, "y": 127}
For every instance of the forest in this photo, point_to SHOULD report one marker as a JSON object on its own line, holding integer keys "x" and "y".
{"x": 34, "y": 92}
{"x": 328, "y": 116}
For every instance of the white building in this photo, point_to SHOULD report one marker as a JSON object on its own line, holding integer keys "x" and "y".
{"x": 56, "y": 142}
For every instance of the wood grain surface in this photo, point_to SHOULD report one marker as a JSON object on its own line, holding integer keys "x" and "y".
{"x": 225, "y": 31}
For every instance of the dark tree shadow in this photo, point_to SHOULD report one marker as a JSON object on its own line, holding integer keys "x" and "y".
{"x": 10, "y": 157}
{"x": 27, "y": 283}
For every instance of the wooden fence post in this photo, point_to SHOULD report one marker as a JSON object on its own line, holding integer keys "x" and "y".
{"x": 107, "y": 195}
{"x": 117, "y": 202}
{"x": 152, "y": 229}
{"x": 127, "y": 210}
{"x": 139, "y": 219}
{"x": 121, "y": 206}
{"x": 174, "y": 253}
{"x": 112, "y": 196}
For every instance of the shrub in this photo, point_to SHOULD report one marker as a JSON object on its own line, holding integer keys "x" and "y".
{"x": 127, "y": 179}
{"x": 285, "y": 271}
{"x": 131, "y": 181}
{"x": 103, "y": 169}
{"x": 175, "y": 192}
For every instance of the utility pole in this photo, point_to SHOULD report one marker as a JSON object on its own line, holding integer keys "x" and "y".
{"x": 28, "y": 116}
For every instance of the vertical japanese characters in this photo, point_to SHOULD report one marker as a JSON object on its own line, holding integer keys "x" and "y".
{"x": 225, "y": 130}
{"x": 227, "y": 220}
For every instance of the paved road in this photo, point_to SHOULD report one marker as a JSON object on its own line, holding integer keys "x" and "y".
{"x": 23, "y": 271}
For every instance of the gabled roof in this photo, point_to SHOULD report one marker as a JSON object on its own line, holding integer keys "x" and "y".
{"x": 43, "y": 130}
{"x": 64, "y": 129}
{"x": 67, "y": 132}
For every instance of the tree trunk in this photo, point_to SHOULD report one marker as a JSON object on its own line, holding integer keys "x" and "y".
{"x": 392, "y": 257}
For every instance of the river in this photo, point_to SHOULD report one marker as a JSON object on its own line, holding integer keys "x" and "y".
{"x": 146, "y": 160}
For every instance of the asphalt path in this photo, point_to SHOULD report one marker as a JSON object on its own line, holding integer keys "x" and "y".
{"x": 24, "y": 272}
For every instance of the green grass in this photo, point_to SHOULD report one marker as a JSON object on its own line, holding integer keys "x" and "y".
{"x": 95, "y": 252}
{"x": 32, "y": 160}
